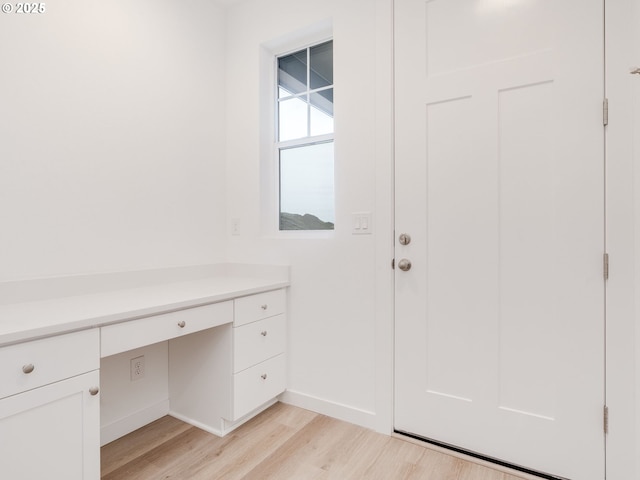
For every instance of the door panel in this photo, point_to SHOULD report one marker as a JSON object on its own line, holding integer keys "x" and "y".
{"x": 495, "y": 26}
{"x": 499, "y": 182}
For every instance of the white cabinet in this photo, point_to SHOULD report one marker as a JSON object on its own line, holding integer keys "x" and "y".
{"x": 157, "y": 328}
{"x": 49, "y": 409}
{"x": 258, "y": 385}
{"x": 226, "y": 363}
{"x": 259, "y": 338}
{"x": 221, "y": 377}
{"x": 256, "y": 307}
{"x": 258, "y": 341}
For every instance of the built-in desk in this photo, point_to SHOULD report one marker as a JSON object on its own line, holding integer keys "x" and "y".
{"x": 226, "y": 341}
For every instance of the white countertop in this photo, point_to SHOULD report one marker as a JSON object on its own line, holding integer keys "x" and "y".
{"x": 34, "y": 319}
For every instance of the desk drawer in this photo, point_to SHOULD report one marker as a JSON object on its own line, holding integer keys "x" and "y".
{"x": 146, "y": 331}
{"x": 258, "y": 341}
{"x": 259, "y": 306}
{"x": 257, "y": 385}
{"x": 53, "y": 359}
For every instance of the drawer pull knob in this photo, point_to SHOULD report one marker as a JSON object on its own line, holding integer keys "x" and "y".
{"x": 181, "y": 323}
{"x": 264, "y": 307}
{"x": 263, "y": 376}
{"x": 94, "y": 391}
{"x": 28, "y": 368}
{"x": 263, "y": 333}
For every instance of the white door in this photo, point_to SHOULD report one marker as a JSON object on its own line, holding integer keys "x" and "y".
{"x": 499, "y": 183}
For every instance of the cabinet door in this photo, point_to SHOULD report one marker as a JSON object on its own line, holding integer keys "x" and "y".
{"x": 52, "y": 432}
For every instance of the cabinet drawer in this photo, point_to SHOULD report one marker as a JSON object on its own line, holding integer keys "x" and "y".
{"x": 258, "y": 341}
{"x": 259, "y": 306}
{"x": 146, "y": 331}
{"x": 53, "y": 359}
{"x": 257, "y": 385}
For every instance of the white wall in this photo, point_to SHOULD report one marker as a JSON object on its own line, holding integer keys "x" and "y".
{"x": 112, "y": 147}
{"x": 623, "y": 231}
{"x": 340, "y": 324}
{"x": 111, "y": 137}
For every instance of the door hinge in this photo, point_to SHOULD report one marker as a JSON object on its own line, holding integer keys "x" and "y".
{"x": 605, "y": 266}
{"x": 606, "y": 419}
{"x": 605, "y": 112}
{"x": 393, "y": 263}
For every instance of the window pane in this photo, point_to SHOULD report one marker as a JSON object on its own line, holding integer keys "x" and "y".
{"x": 306, "y": 188}
{"x": 292, "y": 72}
{"x": 292, "y": 119}
{"x": 282, "y": 93}
{"x": 321, "y": 59}
{"x": 322, "y": 112}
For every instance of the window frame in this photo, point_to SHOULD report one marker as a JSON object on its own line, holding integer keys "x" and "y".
{"x": 308, "y": 140}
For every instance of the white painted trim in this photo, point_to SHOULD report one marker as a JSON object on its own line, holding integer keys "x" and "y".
{"x": 225, "y": 426}
{"x": 126, "y": 425}
{"x": 384, "y": 219}
{"x": 302, "y": 38}
{"x": 346, "y": 413}
{"x": 623, "y": 222}
{"x": 317, "y": 32}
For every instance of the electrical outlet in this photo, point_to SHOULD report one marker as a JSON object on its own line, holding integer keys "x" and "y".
{"x": 137, "y": 368}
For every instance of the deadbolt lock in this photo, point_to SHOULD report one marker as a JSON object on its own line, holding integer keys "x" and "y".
{"x": 404, "y": 239}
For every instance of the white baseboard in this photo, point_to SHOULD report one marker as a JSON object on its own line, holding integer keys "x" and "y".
{"x": 357, "y": 416}
{"x": 120, "y": 428}
{"x": 219, "y": 432}
{"x": 225, "y": 426}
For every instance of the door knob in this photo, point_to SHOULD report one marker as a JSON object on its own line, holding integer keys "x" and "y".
{"x": 404, "y": 265}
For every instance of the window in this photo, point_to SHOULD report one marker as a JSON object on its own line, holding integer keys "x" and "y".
{"x": 305, "y": 138}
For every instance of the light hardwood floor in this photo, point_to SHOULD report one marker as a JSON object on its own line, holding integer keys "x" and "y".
{"x": 282, "y": 443}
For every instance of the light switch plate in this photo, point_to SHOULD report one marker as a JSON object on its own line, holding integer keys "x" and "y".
{"x": 361, "y": 223}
